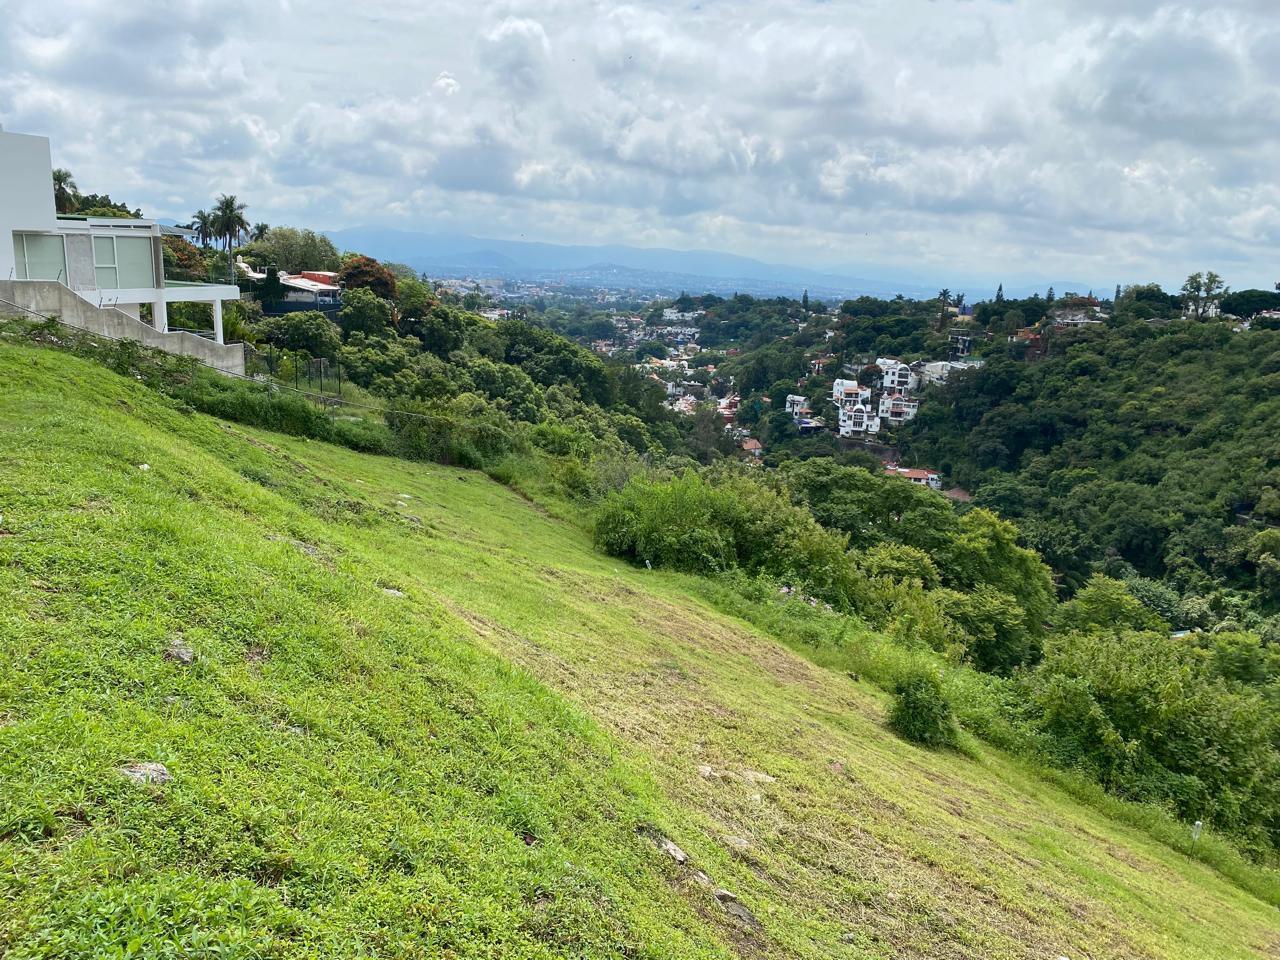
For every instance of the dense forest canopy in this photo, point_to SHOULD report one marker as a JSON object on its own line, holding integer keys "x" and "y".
{"x": 1146, "y": 448}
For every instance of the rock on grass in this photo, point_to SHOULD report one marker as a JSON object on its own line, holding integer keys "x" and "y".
{"x": 178, "y": 652}
{"x": 147, "y": 772}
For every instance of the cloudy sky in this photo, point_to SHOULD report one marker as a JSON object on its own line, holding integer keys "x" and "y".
{"x": 1106, "y": 140}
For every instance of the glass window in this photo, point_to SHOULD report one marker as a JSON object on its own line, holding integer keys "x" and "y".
{"x": 104, "y": 252}
{"x": 104, "y": 263}
{"x": 133, "y": 262}
{"x": 19, "y": 256}
{"x": 45, "y": 258}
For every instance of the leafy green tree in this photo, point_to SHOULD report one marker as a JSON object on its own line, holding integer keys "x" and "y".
{"x": 1145, "y": 714}
{"x": 101, "y": 205}
{"x": 510, "y": 387}
{"x": 1249, "y": 303}
{"x": 1107, "y": 604}
{"x": 308, "y": 330}
{"x": 707, "y": 437}
{"x": 363, "y": 311}
{"x": 999, "y": 637}
{"x": 901, "y": 563}
{"x": 414, "y": 299}
{"x": 292, "y": 250}
{"x": 1267, "y": 508}
{"x": 1201, "y": 292}
{"x": 381, "y": 363}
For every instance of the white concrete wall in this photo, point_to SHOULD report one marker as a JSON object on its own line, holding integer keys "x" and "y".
{"x": 26, "y": 192}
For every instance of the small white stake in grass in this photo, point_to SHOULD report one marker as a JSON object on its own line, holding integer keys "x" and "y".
{"x": 144, "y": 467}
{"x": 1195, "y": 830}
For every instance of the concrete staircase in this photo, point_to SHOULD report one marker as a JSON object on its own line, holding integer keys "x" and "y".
{"x": 48, "y": 298}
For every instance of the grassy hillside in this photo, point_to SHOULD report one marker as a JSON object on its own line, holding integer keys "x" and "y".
{"x": 423, "y": 718}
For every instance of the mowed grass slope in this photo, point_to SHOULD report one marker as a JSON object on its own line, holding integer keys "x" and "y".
{"x": 426, "y": 719}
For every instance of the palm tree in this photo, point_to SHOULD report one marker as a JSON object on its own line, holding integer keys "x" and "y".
{"x": 944, "y": 301}
{"x": 65, "y": 191}
{"x": 258, "y": 232}
{"x": 202, "y": 224}
{"x": 229, "y": 224}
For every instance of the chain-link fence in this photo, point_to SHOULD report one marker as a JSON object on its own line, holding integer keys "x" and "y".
{"x": 317, "y": 376}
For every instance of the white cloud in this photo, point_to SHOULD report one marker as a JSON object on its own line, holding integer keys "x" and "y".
{"x": 446, "y": 83}
{"x": 965, "y": 138}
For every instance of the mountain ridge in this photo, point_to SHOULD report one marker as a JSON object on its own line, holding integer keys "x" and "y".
{"x": 652, "y": 268}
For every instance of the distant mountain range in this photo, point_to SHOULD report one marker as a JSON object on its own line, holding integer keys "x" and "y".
{"x": 648, "y": 269}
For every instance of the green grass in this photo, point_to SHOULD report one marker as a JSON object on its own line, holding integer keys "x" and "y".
{"x": 470, "y": 768}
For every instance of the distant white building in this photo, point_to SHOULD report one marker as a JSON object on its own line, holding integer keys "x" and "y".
{"x": 858, "y": 420}
{"x": 849, "y": 392}
{"x": 857, "y": 416}
{"x": 939, "y": 371}
{"x": 898, "y": 376}
{"x": 673, "y": 316}
{"x": 798, "y": 406}
{"x": 312, "y": 287}
{"x": 898, "y": 408}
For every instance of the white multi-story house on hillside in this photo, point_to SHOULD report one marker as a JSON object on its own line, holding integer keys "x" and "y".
{"x": 849, "y": 392}
{"x": 858, "y": 420}
{"x": 96, "y": 273}
{"x": 857, "y": 416}
{"x": 898, "y": 408}
{"x": 898, "y": 376}
{"x": 798, "y": 406}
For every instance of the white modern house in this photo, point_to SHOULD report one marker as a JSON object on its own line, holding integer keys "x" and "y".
{"x": 849, "y": 392}
{"x": 798, "y": 406}
{"x": 898, "y": 408}
{"x": 858, "y": 420}
{"x": 94, "y": 272}
{"x": 856, "y": 415}
{"x": 898, "y": 376}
